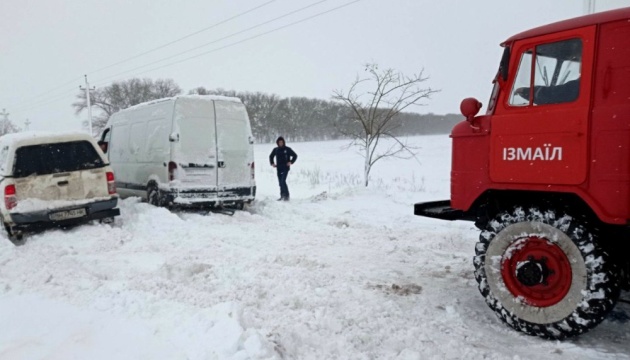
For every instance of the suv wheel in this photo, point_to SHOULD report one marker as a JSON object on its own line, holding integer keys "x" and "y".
{"x": 16, "y": 237}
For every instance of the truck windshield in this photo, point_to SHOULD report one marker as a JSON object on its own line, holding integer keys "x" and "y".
{"x": 55, "y": 158}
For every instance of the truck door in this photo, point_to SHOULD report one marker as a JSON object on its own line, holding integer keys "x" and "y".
{"x": 235, "y": 150}
{"x": 540, "y": 130}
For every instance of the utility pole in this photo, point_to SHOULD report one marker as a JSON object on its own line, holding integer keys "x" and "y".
{"x": 89, "y": 102}
{"x": 5, "y": 115}
{"x": 589, "y": 6}
{"x": 27, "y": 123}
{"x": 4, "y": 126}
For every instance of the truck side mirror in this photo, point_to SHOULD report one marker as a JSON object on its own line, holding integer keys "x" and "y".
{"x": 174, "y": 137}
{"x": 470, "y": 108}
{"x": 504, "y": 68}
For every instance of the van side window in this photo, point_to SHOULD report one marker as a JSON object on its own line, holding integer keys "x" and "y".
{"x": 557, "y": 69}
{"x": 522, "y": 81}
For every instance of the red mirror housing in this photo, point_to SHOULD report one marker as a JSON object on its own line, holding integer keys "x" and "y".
{"x": 470, "y": 108}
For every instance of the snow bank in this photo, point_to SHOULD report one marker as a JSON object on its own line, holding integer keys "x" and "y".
{"x": 49, "y": 329}
{"x": 340, "y": 272}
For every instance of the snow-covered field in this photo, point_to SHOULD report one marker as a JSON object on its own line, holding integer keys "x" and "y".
{"x": 340, "y": 272}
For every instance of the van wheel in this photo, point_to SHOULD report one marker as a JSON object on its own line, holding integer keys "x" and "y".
{"x": 153, "y": 195}
{"x": 544, "y": 274}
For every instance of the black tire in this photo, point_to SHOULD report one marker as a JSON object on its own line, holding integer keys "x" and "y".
{"x": 107, "y": 220}
{"x": 534, "y": 254}
{"x": 153, "y": 195}
{"x": 16, "y": 237}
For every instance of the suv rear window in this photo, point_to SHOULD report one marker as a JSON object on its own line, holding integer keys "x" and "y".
{"x": 55, "y": 158}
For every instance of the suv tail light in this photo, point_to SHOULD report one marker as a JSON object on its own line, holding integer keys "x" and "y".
{"x": 253, "y": 167}
{"x": 111, "y": 184}
{"x": 172, "y": 168}
{"x": 10, "y": 198}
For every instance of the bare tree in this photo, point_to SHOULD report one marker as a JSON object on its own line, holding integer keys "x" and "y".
{"x": 123, "y": 94}
{"x": 375, "y": 101}
{"x": 8, "y": 127}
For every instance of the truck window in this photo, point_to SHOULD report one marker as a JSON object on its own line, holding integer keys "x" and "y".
{"x": 557, "y": 68}
{"x": 557, "y": 74}
{"x": 520, "y": 90}
{"x": 55, "y": 158}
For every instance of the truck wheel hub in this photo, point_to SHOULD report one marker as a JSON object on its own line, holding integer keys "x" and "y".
{"x": 532, "y": 272}
{"x": 537, "y": 271}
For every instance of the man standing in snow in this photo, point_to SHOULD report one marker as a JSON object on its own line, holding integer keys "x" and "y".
{"x": 285, "y": 157}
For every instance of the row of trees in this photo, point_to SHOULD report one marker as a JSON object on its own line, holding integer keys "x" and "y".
{"x": 296, "y": 118}
{"x": 376, "y": 107}
{"x": 121, "y": 95}
{"x": 307, "y": 119}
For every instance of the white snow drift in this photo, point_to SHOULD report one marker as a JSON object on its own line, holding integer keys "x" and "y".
{"x": 340, "y": 272}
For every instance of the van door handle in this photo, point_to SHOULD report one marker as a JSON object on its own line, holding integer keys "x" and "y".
{"x": 221, "y": 164}
{"x": 63, "y": 183}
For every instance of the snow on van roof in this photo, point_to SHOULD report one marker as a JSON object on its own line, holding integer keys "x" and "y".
{"x": 201, "y": 97}
{"x": 34, "y": 137}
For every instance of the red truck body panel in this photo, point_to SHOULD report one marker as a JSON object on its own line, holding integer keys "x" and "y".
{"x": 580, "y": 146}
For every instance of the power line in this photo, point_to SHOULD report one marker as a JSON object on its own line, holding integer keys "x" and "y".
{"x": 74, "y": 80}
{"x": 215, "y": 41}
{"x": 183, "y": 37}
{"x": 232, "y": 44}
{"x": 52, "y": 90}
{"x": 253, "y": 37}
{"x": 41, "y": 103}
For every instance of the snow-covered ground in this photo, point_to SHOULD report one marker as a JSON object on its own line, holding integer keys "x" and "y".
{"x": 340, "y": 272}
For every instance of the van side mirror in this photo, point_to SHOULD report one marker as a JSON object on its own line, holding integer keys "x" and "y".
{"x": 174, "y": 137}
{"x": 104, "y": 146}
{"x": 470, "y": 108}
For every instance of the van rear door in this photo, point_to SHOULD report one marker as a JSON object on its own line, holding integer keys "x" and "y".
{"x": 195, "y": 152}
{"x": 235, "y": 149}
{"x": 60, "y": 171}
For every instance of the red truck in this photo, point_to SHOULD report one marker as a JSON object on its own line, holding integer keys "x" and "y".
{"x": 545, "y": 176}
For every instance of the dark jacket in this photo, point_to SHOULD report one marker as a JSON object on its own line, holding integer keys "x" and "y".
{"x": 283, "y": 156}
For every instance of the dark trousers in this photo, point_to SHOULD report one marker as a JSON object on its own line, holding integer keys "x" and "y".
{"x": 282, "y": 179}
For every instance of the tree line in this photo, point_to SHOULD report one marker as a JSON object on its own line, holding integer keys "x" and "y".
{"x": 295, "y": 118}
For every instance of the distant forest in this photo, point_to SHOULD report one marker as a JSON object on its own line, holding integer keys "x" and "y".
{"x": 295, "y": 118}
{"x": 304, "y": 119}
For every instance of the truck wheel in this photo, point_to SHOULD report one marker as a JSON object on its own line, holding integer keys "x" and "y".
{"x": 153, "y": 195}
{"x": 543, "y": 274}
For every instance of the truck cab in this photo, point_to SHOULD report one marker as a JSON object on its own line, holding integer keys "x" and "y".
{"x": 545, "y": 174}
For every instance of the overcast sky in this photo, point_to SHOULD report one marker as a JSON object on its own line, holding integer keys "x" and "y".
{"x": 50, "y": 44}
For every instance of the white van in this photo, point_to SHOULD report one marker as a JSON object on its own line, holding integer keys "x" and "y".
{"x": 53, "y": 180}
{"x": 182, "y": 151}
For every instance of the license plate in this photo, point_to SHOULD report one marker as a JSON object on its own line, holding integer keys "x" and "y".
{"x": 68, "y": 214}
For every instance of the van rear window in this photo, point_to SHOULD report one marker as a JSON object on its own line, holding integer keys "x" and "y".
{"x": 55, "y": 158}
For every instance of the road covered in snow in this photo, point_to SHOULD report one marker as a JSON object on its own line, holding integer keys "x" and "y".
{"x": 340, "y": 272}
